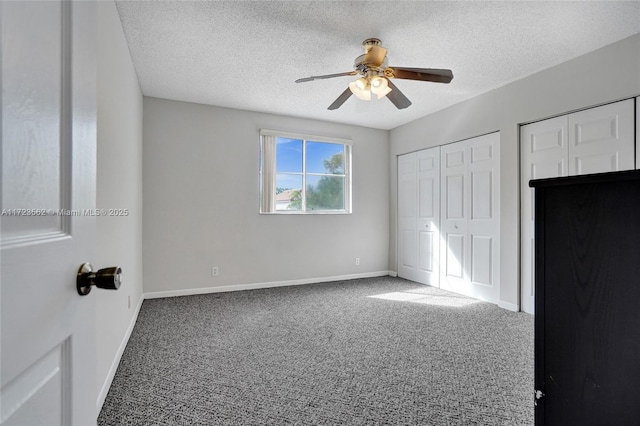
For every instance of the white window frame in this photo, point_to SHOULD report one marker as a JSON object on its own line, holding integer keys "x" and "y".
{"x": 347, "y": 143}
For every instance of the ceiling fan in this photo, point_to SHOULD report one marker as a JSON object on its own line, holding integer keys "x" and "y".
{"x": 377, "y": 75}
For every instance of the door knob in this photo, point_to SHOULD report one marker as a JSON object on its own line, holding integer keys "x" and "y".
{"x": 107, "y": 278}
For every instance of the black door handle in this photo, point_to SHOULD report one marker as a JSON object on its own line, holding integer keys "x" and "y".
{"x": 107, "y": 278}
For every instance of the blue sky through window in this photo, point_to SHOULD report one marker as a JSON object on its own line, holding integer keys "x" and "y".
{"x": 317, "y": 152}
{"x": 289, "y": 155}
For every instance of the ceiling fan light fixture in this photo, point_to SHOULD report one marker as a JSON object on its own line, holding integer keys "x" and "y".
{"x": 360, "y": 88}
{"x": 384, "y": 93}
{"x": 380, "y": 86}
{"x": 377, "y": 83}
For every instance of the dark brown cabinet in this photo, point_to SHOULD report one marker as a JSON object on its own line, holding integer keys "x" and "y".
{"x": 587, "y": 286}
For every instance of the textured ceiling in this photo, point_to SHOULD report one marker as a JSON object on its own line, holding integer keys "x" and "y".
{"x": 247, "y": 54}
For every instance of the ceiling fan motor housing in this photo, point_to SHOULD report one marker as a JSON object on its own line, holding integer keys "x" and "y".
{"x": 371, "y": 42}
{"x": 366, "y": 64}
{"x": 364, "y": 67}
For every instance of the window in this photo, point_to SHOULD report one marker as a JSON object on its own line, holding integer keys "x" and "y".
{"x": 304, "y": 174}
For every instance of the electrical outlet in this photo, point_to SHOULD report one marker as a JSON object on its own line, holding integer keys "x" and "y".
{"x": 357, "y": 261}
{"x": 214, "y": 271}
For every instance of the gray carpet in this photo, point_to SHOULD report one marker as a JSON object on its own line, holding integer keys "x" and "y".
{"x": 360, "y": 352}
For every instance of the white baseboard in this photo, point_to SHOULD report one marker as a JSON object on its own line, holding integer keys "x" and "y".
{"x": 116, "y": 360}
{"x": 393, "y": 273}
{"x": 508, "y": 306}
{"x": 254, "y": 286}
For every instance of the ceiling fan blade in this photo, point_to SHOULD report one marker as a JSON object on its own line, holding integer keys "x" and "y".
{"x": 341, "y": 99}
{"x": 375, "y": 56}
{"x": 320, "y": 77}
{"x": 397, "y": 97}
{"x": 422, "y": 74}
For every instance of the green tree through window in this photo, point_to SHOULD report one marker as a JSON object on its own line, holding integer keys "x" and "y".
{"x": 328, "y": 192}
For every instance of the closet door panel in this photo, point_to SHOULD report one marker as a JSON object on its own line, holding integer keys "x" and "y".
{"x": 482, "y": 260}
{"x": 428, "y": 215}
{"x": 454, "y": 194}
{"x": 482, "y": 195}
{"x": 453, "y": 221}
{"x": 483, "y": 227}
{"x": 470, "y": 222}
{"x": 544, "y": 153}
{"x": 454, "y": 257}
{"x": 638, "y": 132}
{"x": 602, "y": 139}
{"x": 409, "y": 255}
{"x": 407, "y": 244}
{"x": 426, "y": 242}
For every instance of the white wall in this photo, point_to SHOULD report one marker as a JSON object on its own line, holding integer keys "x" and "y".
{"x": 201, "y": 195}
{"x": 119, "y": 185}
{"x": 608, "y": 74}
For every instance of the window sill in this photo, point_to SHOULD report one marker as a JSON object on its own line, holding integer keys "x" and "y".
{"x": 318, "y": 212}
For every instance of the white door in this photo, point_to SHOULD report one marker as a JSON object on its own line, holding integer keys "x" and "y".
{"x": 484, "y": 218}
{"x": 407, "y": 222}
{"x": 428, "y": 216}
{"x": 48, "y": 164}
{"x": 453, "y": 219}
{"x": 470, "y": 219}
{"x": 595, "y": 140}
{"x": 418, "y": 216}
{"x": 601, "y": 139}
{"x": 544, "y": 154}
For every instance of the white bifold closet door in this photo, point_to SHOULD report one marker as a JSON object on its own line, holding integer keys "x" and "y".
{"x": 595, "y": 140}
{"x": 545, "y": 154}
{"x": 470, "y": 217}
{"x": 419, "y": 216}
{"x": 601, "y": 139}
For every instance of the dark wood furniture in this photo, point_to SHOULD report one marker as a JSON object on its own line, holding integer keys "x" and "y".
{"x": 587, "y": 289}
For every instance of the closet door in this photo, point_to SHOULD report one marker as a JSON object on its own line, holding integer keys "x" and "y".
{"x": 453, "y": 220}
{"x": 419, "y": 216}
{"x": 638, "y": 132}
{"x": 484, "y": 217}
{"x": 428, "y": 216}
{"x": 470, "y": 219}
{"x": 601, "y": 139}
{"x": 544, "y": 154}
{"x": 595, "y": 140}
{"x": 407, "y": 217}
